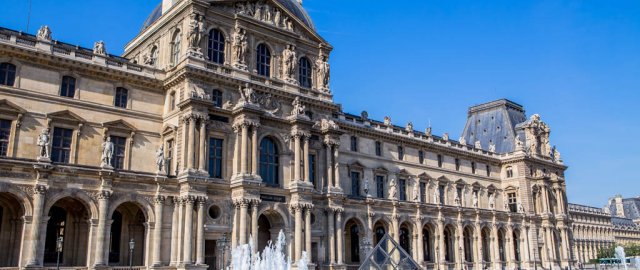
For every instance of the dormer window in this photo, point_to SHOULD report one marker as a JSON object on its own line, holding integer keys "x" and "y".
{"x": 304, "y": 72}
{"x": 263, "y": 60}
{"x": 509, "y": 172}
{"x": 216, "y": 46}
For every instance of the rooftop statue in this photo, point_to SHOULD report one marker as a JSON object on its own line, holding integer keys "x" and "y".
{"x": 99, "y": 48}
{"x": 44, "y": 33}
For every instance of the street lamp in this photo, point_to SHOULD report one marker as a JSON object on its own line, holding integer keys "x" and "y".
{"x": 132, "y": 245}
{"x": 223, "y": 245}
{"x": 59, "y": 242}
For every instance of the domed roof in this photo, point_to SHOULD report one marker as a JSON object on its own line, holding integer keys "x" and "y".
{"x": 292, "y": 6}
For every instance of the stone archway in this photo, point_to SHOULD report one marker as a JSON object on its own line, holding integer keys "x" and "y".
{"x": 468, "y": 242}
{"x": 449, "y": 235}
{"x": 270, "y": 223}
{"x": 11, "y": 224}
{"x": 428, "y": 243}
{"x": 406, "y": 236}
{"x": 354, "y": 231}
{"x": 68, "y": 220}
{"x": 486, "y": 245}
{"x": 127, "y": 224}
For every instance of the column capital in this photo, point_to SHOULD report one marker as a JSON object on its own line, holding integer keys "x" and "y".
{"x": 104, "y": 195}
{"x": 40, "y": 189}
{"x": 159, "y": 199}
{"x": 332, "y": 142}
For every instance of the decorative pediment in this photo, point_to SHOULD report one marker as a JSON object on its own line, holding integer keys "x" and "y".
{"x": 491, "y": 188}
{"x": 168, "y": 129}
{"x": 404, "y": 172}
{"x": 443, "y": 180}
{"x": 8, "y": 109}
{"x": 476, "y": 186}
{"x": 356, "y": 166}
{"x": 65, "y": 116}
{"x": 381, "y": 170}
{"x": 460, "y": 182}
{"x": 120, "y": 125}
{"x": 424, "y": 176}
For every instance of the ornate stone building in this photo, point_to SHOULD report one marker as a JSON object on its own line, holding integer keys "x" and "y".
{"x": 218, "y": 122}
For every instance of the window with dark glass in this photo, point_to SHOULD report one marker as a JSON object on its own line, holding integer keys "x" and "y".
{"x": 119, "y": 147}
{"x": 423, "y": 192}
{"x": 509, "y": 172}
{"x": 175, "y": 48}
{"x": 304, "y": 72}
{"x": 379, "y": 149}
{"x": 400, "y": 153}
{"x": 7, "y": 74}
{"x": 354, "y": 143}
{"x": 441, "y": 190}
{"x": 5, "y": 132}
{"x": 380, "y": 186}
{"x": 68, "y": 86}
{"x": 61, "y": 145}
{"x": 440, "y": 161}
{"x": 402, "y": 185}
{"x": 421, "y": 156}
{"x": 457, "y": 164}
{"x": 405, "y": 239}
{"x": 216, "y": 97}
{"x": 355, "y": 184}
{"x": 216, "y": 46}
{"x": 172, "y": 100}
{"x": 263, "y": 60}
{"x": 121, "y": 98}
{"x": 427, "y": 245}
{"x": 473, "y": 167}
{"x": 354, "y": 232}
{"x": 512, "y": 200}
{"x": 169, "y": 156}
{"x": 269, "y": 162}
{"x": 312, "y": 168}
{"x": 215, "y": 158}
{"x": 488, "y": 171}
{"x": 154, "y": 56}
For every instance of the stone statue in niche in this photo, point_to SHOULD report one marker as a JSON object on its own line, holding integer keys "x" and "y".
{"x": 107, "y": 153}
{"x": 506, "y": 206}
{"x": 416, "y": 191}
{"x": 393, "y": 190}
{"x": 43, "y": 144}
{"x": 160, "y": 159}
{"x": 240, "y": 47}
{"x": 277, "y": 18}
{"x": 196, "y": 30}
{"x": 267, "y": 14}
{"x": 99, "y": 48}
{"x": 436, "y": 195}
{"x": 366, "y": 187}
{"x": 492, "y": 201}
{"x": 323, "y": 71}
{"x": 257, "y": 14}
{"x": 475, "y": 199}
{"x": 298, "y": 107}
{"x": 463, "y": 141}
{"x": 520, "y": 208}
{"x": 289, "y": 62}
{"x": 456, "y": 197}
{"x": 246, "y": 94}
{"x": 478, "y": 145}
{"x": 44, "y": 33}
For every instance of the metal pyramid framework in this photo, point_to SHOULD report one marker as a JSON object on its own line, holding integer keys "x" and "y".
{"x": 388, "y": 255}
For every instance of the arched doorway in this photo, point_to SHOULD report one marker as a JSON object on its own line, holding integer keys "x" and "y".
{"x": 428, "y": 244}
{"x": 501, "y": 246}
{"x": 127, "y": 225}
{"x": 405, "y": 237}
{"x": 516, "y": 246}
{"x": 353, "y": 233}
{"x": 449, "y": 244}
{"x": 379, "y": 231}
{"x": 486, "y": 245}
{"x": 468, "y": 244}
{"x": 270, "y": 223}
{"x": 68, "y": 220}
{"x": 11, "y": 213}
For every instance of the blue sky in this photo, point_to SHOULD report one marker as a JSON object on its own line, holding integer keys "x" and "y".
{"x": 576, "y": 63}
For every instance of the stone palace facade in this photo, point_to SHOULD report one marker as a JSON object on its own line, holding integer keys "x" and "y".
{"x": 217, "y": 127}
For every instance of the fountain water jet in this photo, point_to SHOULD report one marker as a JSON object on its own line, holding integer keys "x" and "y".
{"x": 621, "y": 256}
{"x": 271, "y": 258}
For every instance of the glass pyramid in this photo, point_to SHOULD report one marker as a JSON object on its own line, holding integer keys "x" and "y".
{"x": 388, "y": 255}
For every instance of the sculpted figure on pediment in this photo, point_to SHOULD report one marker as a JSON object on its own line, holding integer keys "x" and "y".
{"x": 196, "y": 30}
{"x": 323, "y": 71}
{"x": 240, "y": 47}
{"x": 298, "y": 107}
{"x": 289, "y": 62}
{"x": 246, "y": 94}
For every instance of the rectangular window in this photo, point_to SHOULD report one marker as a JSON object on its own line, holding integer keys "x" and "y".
{"x": 441, "y": 190}
{"x": 457, "y": 164}
{"x": 421, "y": 156}
{"x": 355, "y": 184}
{"x": 423, "y": 192}
{"x": 509, "y": 172}
{"x": 379, "y": 149}
{"x": 402, "y": 185}
{"x": 216, "y": 97}
{"x": 513, "y": 202}
{"x": 215, "y": 158}
{"x": 488, "y": 171}
{"x": 380, "y": 186}
{"x": 119, "y": 148}
{"x": 312, "y": 168}
{"x": 440, "y": 161}
{"x": 61, "y": 145}
{"x": 354, "y": 143}
{"x": 5, "y": 132}
{"x": 169, "y": 157}
{"x": 121, "y": 98}
{"x": 68, "y": 86}
{"x": 473, "y": 167}
{"x": 400, "y": 153}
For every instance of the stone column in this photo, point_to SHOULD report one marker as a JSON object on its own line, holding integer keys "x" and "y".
{"x": 440, "y": 247}
{"x": 236, "y": 224}
{"x": 203, "y": 146}
{"x": 332, "y": 239}
{"x": 200, "y": 232}
{"x": 179, "y": 235}
{"x": 307, "y": 232}
{"x": 36, "y": 222}
{"x": 495, "y": 246}
{"x": 545, "y": 198}
{"x": 306, "y": 159}
{"x": 103, "y": 208}
{"x": 329, "y": 163}
{"x": 174, "y": 231}
{"x": 243, "y": 222}
{"x": 479, "y": 245}
{"x": 336, "y": 166}
{"x": 460, "y": 253}
{"x": 254, "y": 151}
{"x": 254, "y": 225}
{"x": 243, "y": 155}
{"x": 340, "y": 235}
{"x": 297, "y": 212}
{"x": 396, "y": 228}
{"x": 236, "y": 151}
{"x": 525, "y": 252}
{"x": 420, "y": 243}
{"x": 185, "y": 143}
{"x": 296, "y": 157}
{"x": 191, "y": 143}
{"x": 157, "y": 230}
{"x": 188, "y": 228}
{"x": 508, "y": 248}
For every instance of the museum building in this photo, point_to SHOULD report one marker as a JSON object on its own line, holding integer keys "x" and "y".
{"x": 218, "y": 127}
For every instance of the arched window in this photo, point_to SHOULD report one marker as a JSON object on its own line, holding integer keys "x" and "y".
{"x": 7, "y": 74}
{"x": 269, "y": 162}
{"x": 154, "y": 56}
{"x": 405, "y": 239}
{"x": 68, "y": 86}
{"x": 263, "y": 60}
{"x": 216, "y": 97}
{"x": 216, "y": 46}
{"x": 354, "y": 232}
{"x": 509, "y": 172}
{"x": 175, "y": 48}
{"x": 172, "y": 101}
{"x": 121, "y": 98}
{"x": 304, "y": 72}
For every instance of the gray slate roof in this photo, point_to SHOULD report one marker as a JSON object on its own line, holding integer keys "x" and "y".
{"x": 494, "y": 123}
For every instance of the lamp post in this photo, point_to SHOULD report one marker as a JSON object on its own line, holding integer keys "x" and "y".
{"x": 223, "y": 244}
{"x": 132, "y": 245}
{"x": 59, "y": 242}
